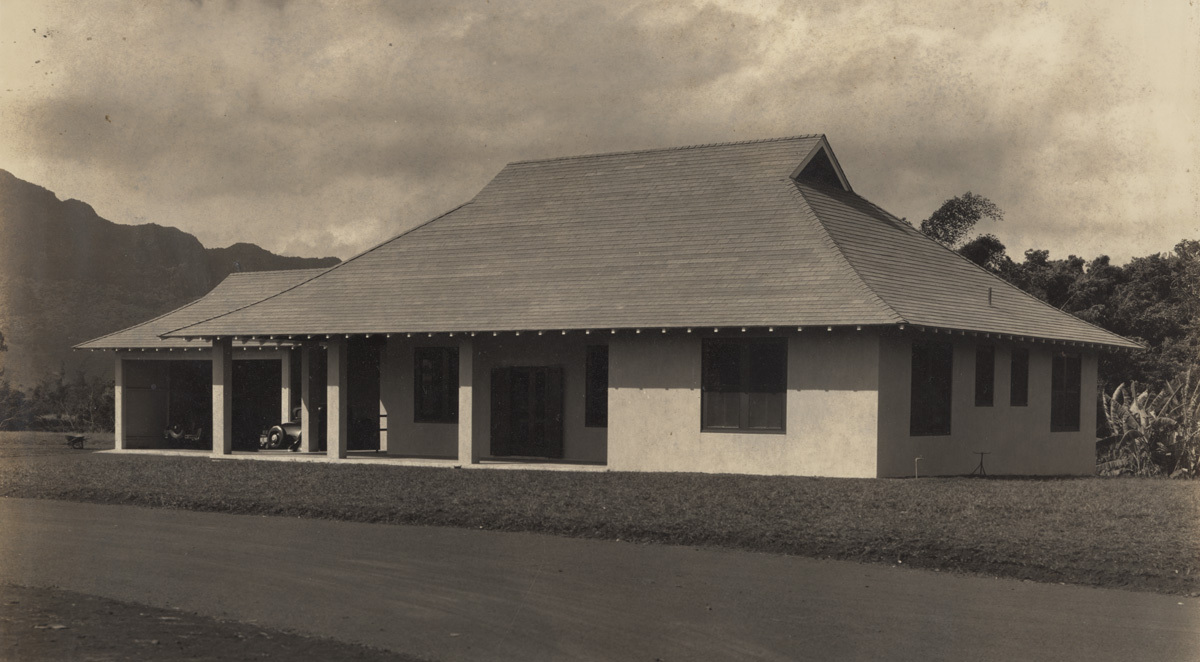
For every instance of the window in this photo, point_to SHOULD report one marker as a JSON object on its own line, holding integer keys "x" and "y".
{"x": 1018, "y": 389}
{"x": 929, "y": 406}
{"x": 1065, "y": 380}
{"x": 985, "y": 375}
{"x": 743, "y": 384}
{"x": 435, "y": 385}
{"x": 596, "y": 387}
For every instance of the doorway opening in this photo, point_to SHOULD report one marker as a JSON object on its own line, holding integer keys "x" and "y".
{"x": 527, "y": 412}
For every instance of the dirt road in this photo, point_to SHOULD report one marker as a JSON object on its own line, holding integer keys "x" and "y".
{"x": 453, "y": 594}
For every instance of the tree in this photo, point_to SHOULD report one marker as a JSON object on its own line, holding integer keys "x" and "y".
{"x": 987, "y": 251}
{"x": 957, "y": 216}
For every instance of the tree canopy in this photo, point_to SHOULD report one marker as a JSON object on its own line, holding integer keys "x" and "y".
{"x": 1154, "y": 299}
{"x": 958, "y": 216}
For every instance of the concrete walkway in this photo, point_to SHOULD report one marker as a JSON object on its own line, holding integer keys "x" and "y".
{"x": 365, "y": 457}
{"x": 454, "y": 594}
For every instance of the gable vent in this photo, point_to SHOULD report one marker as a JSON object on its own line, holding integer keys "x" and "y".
{"x": 821, "y": 168}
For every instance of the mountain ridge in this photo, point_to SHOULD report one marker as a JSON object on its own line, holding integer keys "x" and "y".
{"x": 68, "y": 274}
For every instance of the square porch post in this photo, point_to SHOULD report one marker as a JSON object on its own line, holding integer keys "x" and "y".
{"x": 308, "y": 433}
{"x": 383, "y": 400}
{"x": 119, "y": 403}
{"x": 335, "y": 398}
{"x": 467, "y": 453}
{"x": 222, "y": 396}
{"x": 285, "y": 386}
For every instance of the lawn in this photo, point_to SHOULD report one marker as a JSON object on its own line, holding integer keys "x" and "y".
{"x": 1130, "y": 533}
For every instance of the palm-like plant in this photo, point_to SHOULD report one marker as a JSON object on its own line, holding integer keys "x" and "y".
{"x": 1154, "y": 433}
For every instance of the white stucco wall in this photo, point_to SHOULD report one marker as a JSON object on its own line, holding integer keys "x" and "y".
{"x": 406, "y": 437}
{"x": 580, "y": 443}
{"x": 146, "y": 391}
{"x": 831, "y": 409}
{"x": 1018, "y": 439}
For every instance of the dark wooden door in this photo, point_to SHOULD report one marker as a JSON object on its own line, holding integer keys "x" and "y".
{"x": 527, "y": 411}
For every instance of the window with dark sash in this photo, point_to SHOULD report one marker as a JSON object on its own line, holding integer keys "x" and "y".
{"x": 435, "y": 385}
{"x": 1065, "y": 391}
{"x": 930, "y": 403}
{"x": 1018, "y": 389}
{"x": 743, "y": 384}
{"x": 596, "y": 387}
{"x": 985, "y": 375}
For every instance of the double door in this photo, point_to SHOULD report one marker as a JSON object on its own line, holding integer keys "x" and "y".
{"x": 527, "y": 412}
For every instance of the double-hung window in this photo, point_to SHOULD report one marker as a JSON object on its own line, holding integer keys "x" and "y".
{"x": 435, "y": 385}
{"x": 931, "y": 388}
{"x": 985, "y": 375}
{"x": 743, "y": 384}
{"x": 1065, "y": 392}
{"x": 1018, "y": 389}
{"x": 595, "y": 396}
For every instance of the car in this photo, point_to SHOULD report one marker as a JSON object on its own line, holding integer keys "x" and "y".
{"x": 288, "y": 434}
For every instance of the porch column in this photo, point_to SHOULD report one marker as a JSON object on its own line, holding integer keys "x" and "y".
{"x": 467, "y": 453}
{"x": 335, "y": 398}
{"x": 308, "y": 434}
{"x": 285, "y": 386}
{"x": 383, "y": 385}
{"x": 119, "y": 403}
{"x": 222, "y": 396}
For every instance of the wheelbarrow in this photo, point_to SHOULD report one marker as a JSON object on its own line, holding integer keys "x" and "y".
{"x": 76, "y": 441}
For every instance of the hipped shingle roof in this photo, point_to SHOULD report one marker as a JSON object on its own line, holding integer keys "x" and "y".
{"x": 705, "y": 236}
{"x": 236, "y": 291}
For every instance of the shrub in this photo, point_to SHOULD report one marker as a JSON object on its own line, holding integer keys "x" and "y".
{"x": 1153, "y": 433}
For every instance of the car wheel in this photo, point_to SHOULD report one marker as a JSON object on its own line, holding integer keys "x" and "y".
{"x": 275, "y": 438}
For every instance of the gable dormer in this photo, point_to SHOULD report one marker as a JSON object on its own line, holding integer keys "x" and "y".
{"x": 821, "y": 167}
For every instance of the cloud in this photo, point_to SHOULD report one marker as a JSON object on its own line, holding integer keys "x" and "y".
{"x": 287, "y": 123}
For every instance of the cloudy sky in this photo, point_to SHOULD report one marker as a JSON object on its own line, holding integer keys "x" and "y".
{"x": 323, "y": 128}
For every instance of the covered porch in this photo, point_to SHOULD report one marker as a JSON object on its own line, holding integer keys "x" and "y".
{"x": 486, "y": 400}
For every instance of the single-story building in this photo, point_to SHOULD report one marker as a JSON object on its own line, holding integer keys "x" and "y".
{"x": 732, "y": 307}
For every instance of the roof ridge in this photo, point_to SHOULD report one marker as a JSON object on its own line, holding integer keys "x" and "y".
{"x": 676, "y": 148}
{"x": 323, "y": 272}
{"x": 795, "y": 190}
{"x": 985, "y": 271}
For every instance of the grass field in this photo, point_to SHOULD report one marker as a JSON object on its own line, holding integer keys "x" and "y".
{"x": 1129, "y": 533}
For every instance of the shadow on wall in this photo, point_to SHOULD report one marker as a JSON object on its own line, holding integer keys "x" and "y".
{"x": 820, "y": 361}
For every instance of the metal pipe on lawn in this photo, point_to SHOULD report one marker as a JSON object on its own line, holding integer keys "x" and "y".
{"x": 916, "y": 470}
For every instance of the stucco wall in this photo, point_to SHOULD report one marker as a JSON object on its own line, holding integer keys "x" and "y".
{"x": 831, "y": 409}
{"x": 146, "y": 391}
{"x": 580, "y": 443}
{"x": 1018, "y": 439}
{"x": 405, "y": 437}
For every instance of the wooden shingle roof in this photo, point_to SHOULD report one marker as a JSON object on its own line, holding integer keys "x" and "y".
{"x": 705, "y": 236}
{"x": 236, "y": 291}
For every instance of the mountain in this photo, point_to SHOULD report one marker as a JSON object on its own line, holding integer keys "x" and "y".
{"x": 68, "y": 275}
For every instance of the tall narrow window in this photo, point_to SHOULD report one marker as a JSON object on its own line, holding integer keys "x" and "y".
{"x": 930, "y": 403}
{"x": 985, "y": 375}
{"x": 1018, "y": 389}
{"x": 1065, "y": 391}
{"x": 435, "y": 385}
{"x": 596, "y": 387}
{"x": 743, "y": 384}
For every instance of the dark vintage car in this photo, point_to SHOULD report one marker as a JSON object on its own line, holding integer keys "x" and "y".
{"x": 288, "y": 434}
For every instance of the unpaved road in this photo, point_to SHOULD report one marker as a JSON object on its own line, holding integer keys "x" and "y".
{"x": 453, "y": 594}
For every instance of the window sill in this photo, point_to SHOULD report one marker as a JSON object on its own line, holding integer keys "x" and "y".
{"x": 741, "y": 431}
